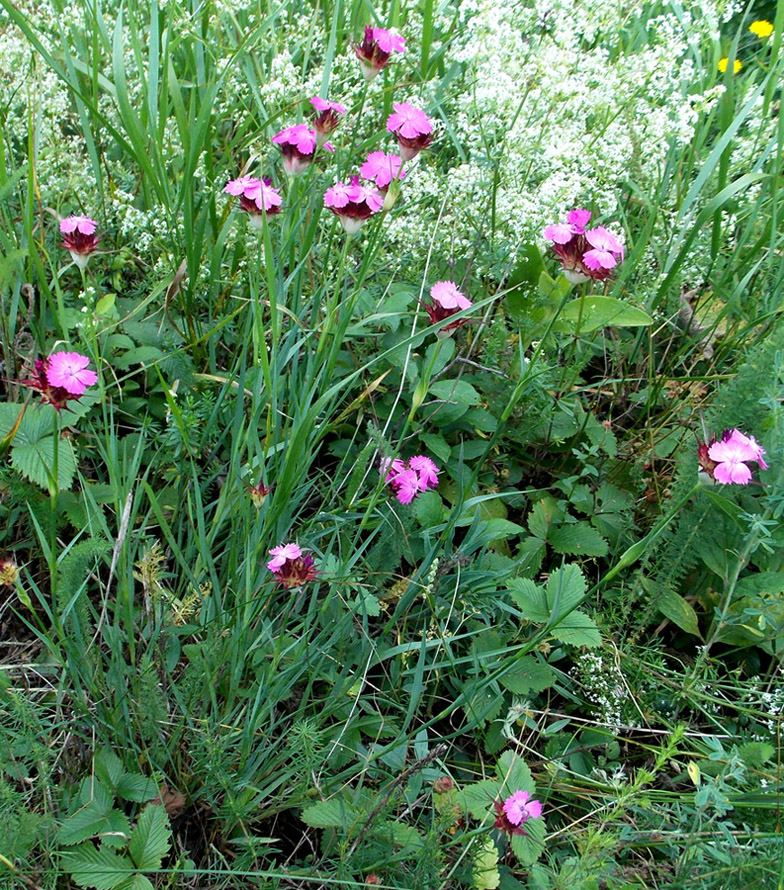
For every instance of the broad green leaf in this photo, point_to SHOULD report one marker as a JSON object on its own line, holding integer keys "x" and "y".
{"x": 530, "y": 599}
{"x": 458, "y": 391}
{"x": 132, "y": 786}
{"x": 578, "y": 539}
{"x": 402, "y": 834}
{"x": 527, "y": 675}
{"x": 36, "y": 461}
{"x": 528, "y": 849}
{"x": 578, "y": 629}
{"x": 566, "y": 588}
{"x": 150, "y": 839}
{"x": 333, "y": 813}
{"x": 594, "y": 312}
{"x": 513, "y": 771}
{"x": 477, "y": 798}
{"x": 86, "y": 822}
{"x": 542, "y": 515}
{"x": 436, "y": 445}
{"x": 485, "y": 864}
{"x": 108, "y": 767}
{"x": 675, "y": 607}
{"x": 99, "y": 869}
{"x": 429, "y": 509}
{"x": 756, "y": 754}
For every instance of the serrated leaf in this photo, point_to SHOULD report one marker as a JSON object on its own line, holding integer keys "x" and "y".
{"x": 565, "y": 588}
{"x": 139, "y": 882}
{"x": 402, "y": 834}
{"x": 578, "y": 629}
{"x": 332, "y": 813}
{"x": 150, "y": 839}
{"x": 429, "y": 509}
{"x": 578, "y": 539}
{"x": 35, "y": 461}
{"x": 136, "y": 788}
{"x": 513, "y": 771}
{"x": 527, "y": 675}
{"x": 99, "y": 869}
{"x": 528, "y": 849}
{"x": 485, "y": 872}
{"x": 681, "y": 613}
{"x": 85, "y": 823}
{"x": 108, "y": 767}
{"x": 542, "y": 515}
{"x": 477, "y": 798}
{"x": 756, "y": 754}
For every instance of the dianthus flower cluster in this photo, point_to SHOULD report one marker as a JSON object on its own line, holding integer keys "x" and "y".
{"x": 408, "y": 479}
{"x": 584, "y": 253}
{"x": 512, "y": 813}
{"x": 61, "y": 377}
{"x": 327, "y": 119}
{"x": 725, "y": 459}
{"x": 412, "y": 127}
{"x": 290, "y": 566}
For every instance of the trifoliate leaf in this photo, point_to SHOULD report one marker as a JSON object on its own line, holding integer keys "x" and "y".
{"x": 333, "y": 813}
{"x": 35, "y": 461}
{"x": 527, "y": 675}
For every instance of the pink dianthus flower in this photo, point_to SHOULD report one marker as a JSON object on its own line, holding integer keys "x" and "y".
{"x": 513, "y": 812}
{"x": 447, "y": 301}
{"x": 328, "y": 117}
{"x": 290, "y": 566}
{"x": 725, "y": 459}
{"x": 408, "y": 479}
{"x": 585, "y": 254}
{"x": 298, "y": 146}
{"x": 61, "y": 377}
{"x": 79, "y": 238}
{"x": 376, "y": 47}
{"x": 382, "y": 169}
{"x": 352, "y": 203}
{"x": 257, "y": 197}
{"x": 412, "y": 127}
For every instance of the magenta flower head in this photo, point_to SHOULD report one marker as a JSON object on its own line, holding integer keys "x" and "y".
{"x": 725, "y": 459}
{"x": 512, "y": 813}
{"x": 412, "y": 127}
{"x": 79, "y": 238}
{"x": 352, "y": 203}
{"x": 290, "y": 566}
{"x": 61, "y": 377}
{"x": 375, "y": 49}
{"x": 257, "y": 198}
{"x": 298, "y": 146}
{"x": 408, "y": 479}
{"x": 585, "y": 254}
{"x": 327, "y": 119}
{"x": 447, "y": 300}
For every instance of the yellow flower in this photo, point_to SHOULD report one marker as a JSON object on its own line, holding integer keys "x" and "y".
{"x": 761, "y": 28}
{"x": 723, "y": 65}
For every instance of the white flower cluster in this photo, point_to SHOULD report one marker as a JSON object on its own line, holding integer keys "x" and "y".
{"x": 604, "y": 685}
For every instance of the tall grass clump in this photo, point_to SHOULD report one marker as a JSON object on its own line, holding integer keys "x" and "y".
{"x": 392, "y": 444}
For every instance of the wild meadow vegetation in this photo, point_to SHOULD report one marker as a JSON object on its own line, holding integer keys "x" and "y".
{"x": 404, "y": 511}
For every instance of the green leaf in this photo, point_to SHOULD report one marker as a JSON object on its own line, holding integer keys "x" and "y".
{"x": 100, "y": 869}
{"x": 578, "y": 539}
{"x": 86, "y": 822}
{"x": 429, "y": 509}
{"x": 527, "y": 675}
{"x": 485, "y": 864}
{"x": 150, "y": 839}
{"x": 108, "y": 767}
{"x": 599, "y": 312}
{"x": 477, "y": 798}
{"x": 756, "y": 754}
{"x": 675, "y": 607}
{"x": 333, "y": 813}
{"x": 566, "y": 588}
{"x": 528, "y": 849}
{"x": 105, "y": 304}
{"x": 132, "y": 786}
{"x": 513, "y": 771}
{"x": 36, "y": 461}
{"x": 578, "y": 629}
{"x": 436, "y": 445}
